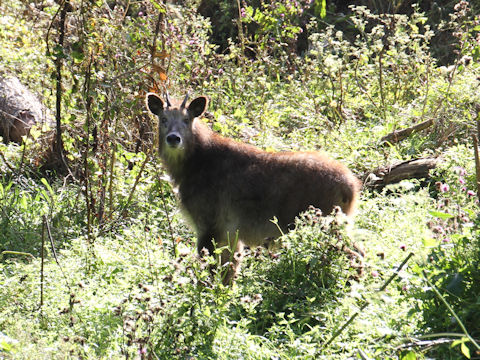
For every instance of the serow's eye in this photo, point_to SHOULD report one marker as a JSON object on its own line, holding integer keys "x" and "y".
{"x": 163, "y": 121}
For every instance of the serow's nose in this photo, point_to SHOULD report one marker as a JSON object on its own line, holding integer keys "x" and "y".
{"x": 173, "y": 140}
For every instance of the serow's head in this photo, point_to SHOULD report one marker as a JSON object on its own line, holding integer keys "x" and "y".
{"x": 175, "y": 122}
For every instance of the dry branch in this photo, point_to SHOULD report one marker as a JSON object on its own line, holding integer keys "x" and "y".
{"x": 475, "y": 148}
{"x": 411, "y": 169}
{"x": 477, "y": 163}
{"x": 425, "y": 344}
{"x": 398, "y": 135}
{"x": 58, "y": 145}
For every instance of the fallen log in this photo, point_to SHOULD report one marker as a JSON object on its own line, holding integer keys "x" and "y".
{"x": 20, "y": 109}
{"x": 410, "y": 169}
{"x": 398, "y": 135}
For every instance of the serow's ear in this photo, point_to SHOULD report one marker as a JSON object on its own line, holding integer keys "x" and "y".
{"x": 198, "y": 106}
{"x": 154, "y": 103}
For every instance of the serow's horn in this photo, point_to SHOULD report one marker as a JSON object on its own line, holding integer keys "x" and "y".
{"x": 184, "y": 102}
{"x": 167, "y": 98}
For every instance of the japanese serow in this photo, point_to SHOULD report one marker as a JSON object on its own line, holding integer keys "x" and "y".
{"x": 231, "y": 191}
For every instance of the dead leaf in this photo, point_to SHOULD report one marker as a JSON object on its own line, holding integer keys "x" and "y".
{"x": 160, "y": 54}
{"x": 162, "y": 74}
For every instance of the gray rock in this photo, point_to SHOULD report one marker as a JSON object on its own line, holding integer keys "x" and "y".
{"x": 20, "y": 109}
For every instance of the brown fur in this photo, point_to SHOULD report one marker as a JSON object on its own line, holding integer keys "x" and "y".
{"x": 230, "y": 190}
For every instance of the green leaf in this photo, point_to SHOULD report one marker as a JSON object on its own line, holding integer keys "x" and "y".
{"x": 47, "y": 185}
{"x": 7, "y": 188}
{"x": 440, "y": 215}
{"x": 58, "y": 52}
{"x": 24, "y": 202}
{"x": 77, "y": 56}
{"x": 409, "y": 356}
{"x": 457, "y": 342}
{"x": 476, "y": 53}
{"x": 160, "y": 7}
{"x": 5, "y": 347}
{"x": 320, "y": 8}
{"x": 35, "y": 133}
{"x": 465, "y": 350}
{"x": 323, "y": 11}
{"x": 429, "y": 242}
{"x": 7, "y": 344}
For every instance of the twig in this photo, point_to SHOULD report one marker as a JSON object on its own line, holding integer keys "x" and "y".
{"x": 122, "y": 208}
{"x": 240, "y": 33}
{"x": 87, "y": 179}
{"x": 361, "y": 87}
{"x": 425, "y": 100}
{"x": 11, "y": 252}
{"x": 155, "y": 35}
{"x": 2, "y": 156}
{"x": 127, "y": 7}
{"x": 58, "y": 67}
{"x": 362, "y": 355}
{"x": 380, "y": 82}
{"x": 384, "y": 286}
{"x": 49, "y": 233}
{"x": 42, "y": 263}
{"x": 167, "y": 215}
{"x": 425, "y": 343}
{"x": 477, "y": 118}
{"x": 113, "y": 159}
{"x": 423, "y": 340}
{"x": 442, "y": 334}
{"x": 137, "y": 180}
{"x": 161, "y": 19}
{"x": 477, "y": 163}
{"x": 475, "y": 148}
{"x": 71, "y": 298}
{"x": 51, "y": 24}
{"x": 22, "y": 159}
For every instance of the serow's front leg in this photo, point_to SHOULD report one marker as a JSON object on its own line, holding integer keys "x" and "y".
{"x": 230, "y": 256}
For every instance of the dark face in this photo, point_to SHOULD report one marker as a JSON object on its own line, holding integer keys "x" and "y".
{"x": 174, "y": 129}
{"x": 175, "y": 123}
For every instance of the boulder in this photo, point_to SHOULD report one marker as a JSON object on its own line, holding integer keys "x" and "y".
{"x": 20, "y": 109}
